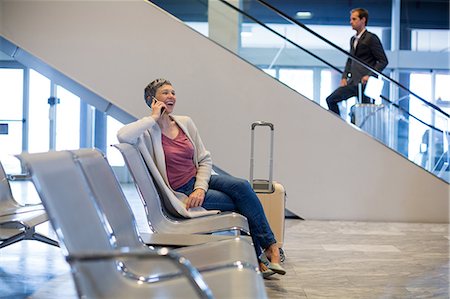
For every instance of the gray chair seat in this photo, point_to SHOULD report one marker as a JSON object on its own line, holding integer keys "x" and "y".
{"x": 182, "y": 240}
{"x": 18, "y": 224}
{"x": 11, "y": 211}
{"x": 18, "y": 221}
{"x": 161, "y": 216}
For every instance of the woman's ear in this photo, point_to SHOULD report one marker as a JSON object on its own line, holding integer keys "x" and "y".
{"x": 148, "y": 101}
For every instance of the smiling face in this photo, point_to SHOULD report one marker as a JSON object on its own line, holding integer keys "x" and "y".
{"x": 166, "y": 94}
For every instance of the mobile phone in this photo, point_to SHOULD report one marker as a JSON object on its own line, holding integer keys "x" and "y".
{"x": 163, "y": 109}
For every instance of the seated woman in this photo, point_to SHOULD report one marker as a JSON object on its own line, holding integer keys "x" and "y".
{"x": 186, "y": 168}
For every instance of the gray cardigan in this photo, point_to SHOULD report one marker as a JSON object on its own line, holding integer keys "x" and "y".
{"x": 145, "y": 133}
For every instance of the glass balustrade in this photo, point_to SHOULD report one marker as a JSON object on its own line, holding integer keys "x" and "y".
{"x": 311, "y": 59}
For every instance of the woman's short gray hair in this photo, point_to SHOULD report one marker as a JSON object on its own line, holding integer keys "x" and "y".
{"x": 152, "y": 87}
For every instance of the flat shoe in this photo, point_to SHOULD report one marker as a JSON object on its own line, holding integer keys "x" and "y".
{"x": 275, "y": 267}
{"x": 267, "y": 273}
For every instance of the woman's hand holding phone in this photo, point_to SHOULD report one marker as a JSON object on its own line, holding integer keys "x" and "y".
{"x": 162, "y": 108}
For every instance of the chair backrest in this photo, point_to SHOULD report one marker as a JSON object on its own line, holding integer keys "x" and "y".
{"x": 68, "y": 200}
{"x": 79, "y": 223}
{"x": 6, "y": 197}
{"x": 109, "y": 196}
{"x": 158, "y": 206}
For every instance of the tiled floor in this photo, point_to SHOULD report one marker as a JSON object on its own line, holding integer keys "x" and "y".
{"x": 325, "y": 259}
{"x": 335, "y": 259}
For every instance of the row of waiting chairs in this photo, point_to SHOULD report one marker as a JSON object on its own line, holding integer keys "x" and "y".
{"x": 111, "y": 259}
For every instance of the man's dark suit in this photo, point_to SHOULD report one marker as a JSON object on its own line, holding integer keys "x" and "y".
{"x": 369, "y": 50}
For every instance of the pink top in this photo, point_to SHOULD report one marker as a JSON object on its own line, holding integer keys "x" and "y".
{"x": 179, "y": 153}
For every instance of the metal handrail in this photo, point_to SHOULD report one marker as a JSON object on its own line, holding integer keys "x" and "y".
{"x": 353, "y": 57}
{"x": 341, "y": 50}
{"x": 411, "y": 115}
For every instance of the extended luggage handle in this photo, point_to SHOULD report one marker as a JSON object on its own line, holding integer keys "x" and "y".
{"x": 252, "y": 151}
{"x": 262, "y": 123}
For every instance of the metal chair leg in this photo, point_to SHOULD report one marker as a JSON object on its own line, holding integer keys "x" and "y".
{"x": 28, "y": 234}
{"x": 13, "y": 239}
{"x": 47, "y": 240}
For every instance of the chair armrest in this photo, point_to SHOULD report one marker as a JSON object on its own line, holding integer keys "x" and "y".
{"x": 124, "y": 252}
{"x": 18, "y": 177}
{"x": 181, "y": 262}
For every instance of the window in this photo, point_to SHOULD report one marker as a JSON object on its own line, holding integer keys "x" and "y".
{"x": 11, "y": 115}
{"x": 38, "y": 119}
{"x": 299, "y": 79}
{"x": 419, "y": 134}
{"x": 67, "y": 120}
{"x": 114, "y": 156}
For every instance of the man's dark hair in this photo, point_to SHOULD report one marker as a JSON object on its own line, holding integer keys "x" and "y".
{"x": 362, "y": 13}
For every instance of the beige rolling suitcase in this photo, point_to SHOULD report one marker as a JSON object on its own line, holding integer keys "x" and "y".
{"x": 271, "y": 194}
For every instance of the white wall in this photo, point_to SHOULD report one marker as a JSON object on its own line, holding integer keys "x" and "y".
{"x": 330, "y": 169}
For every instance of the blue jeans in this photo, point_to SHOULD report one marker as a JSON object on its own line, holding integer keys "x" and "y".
{"x": 227, "y": 193}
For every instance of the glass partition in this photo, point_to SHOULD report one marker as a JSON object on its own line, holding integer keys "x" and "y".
{"x": 406, "y": 119}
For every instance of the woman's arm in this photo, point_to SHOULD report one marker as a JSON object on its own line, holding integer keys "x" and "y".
{"x": 131, "y": 132}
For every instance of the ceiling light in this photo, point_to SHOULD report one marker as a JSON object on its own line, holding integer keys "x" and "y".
{"x": 303, "y": 15}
